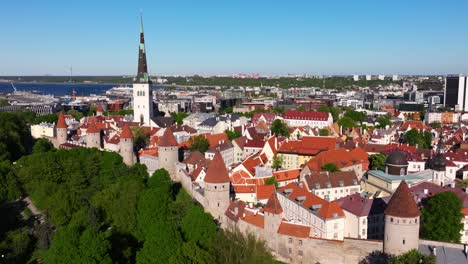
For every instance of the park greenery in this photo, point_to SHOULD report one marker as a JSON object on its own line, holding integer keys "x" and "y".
{"x": 277, "y": 162}
{"x": 383, "y": 122}
{"x": 233, "y": 134}
{"x": 422, "y": 139}
{"x": 199, "y": 143}
{"x": 442, "y": 218}
{"x": 179, "y": 117}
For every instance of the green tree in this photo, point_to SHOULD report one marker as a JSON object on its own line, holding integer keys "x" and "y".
{"x": 356, "y": 116}
{"x": 377, "y": 161}
{"x": 272, "y": 181}
{"x": 412, "y": 256}
{"x": 441, "y": 218}
{"x": 233, "y": 134}
{"x": 383, "y": 122}
{"x": 435, "y": 125}
{"x": 323, "y": 132}
{"x": 421, "y": 139}
{"x": 179, "y": 117}
{"x": 76, "y": 114}
{"x": 199, "y": 143}
{"x": 279, "y": 128}
{"x": 412, "y": 137}
{"x": 301, "y": 108}
{"x": 334, "y": 111}
{"x": 15, "y": 137}
{"x": 346, "y": 122}
{"x": 16, "y": 246}
{"x": 9, "y": 187}
{"x": 4, "y": 102}
{"x": 331, "y": 167}
{"x": 277, "y": 162}
{"x": 42, "y": 145}
{"x": 140, "y": 138}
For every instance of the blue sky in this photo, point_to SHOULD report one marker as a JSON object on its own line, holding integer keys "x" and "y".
{"x": 224, "y": 37}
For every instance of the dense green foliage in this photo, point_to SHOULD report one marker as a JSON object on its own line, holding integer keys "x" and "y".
{"x": 411, "y": 257}
{"x": 383, "y": 122}
{"x": 331, "y": 167}
{"x": 335, "y": 111}
{"x": 277, "y": 162}
{"x": 441, "y": 218}
{"x": 75, "y": 113}
{"x": 42, "y": 145}
{"x": 15, "y": 137}
{"x": 272, "y": 181}
{"x": 9, "y": 187}
{"x": 140, "y": 138}
{"x": 4, "y": 102}
{"x": 279, "y": 128}
{"x": 233, "y": 134}
{"x": 179, "y": 117}
{"x": 199, "y": 143}
{"x": 122, "y": 112}
{"x": 356, "y": 116}
{"x": 347, "y": 122}
{"x": 421, "y": 139}
{"x": 377, "y": 161}
{"x": 323, "y": 132}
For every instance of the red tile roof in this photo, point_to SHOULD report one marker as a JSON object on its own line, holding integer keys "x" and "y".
{"x": 308, "y": 145}
{"x": 126, "y": 132}
{"x": 168, "y": 139}
{"x": 306, "y": 115}
{"x": 217, "y": 172}
{"x": 273, "y": 206}
{"x": 265, "y": 191}
{"x": 294, "y": 230}
{"x": 254, "y": 218}
{"x": 61, "y": 121}
{"x": 287, "y": 175}
{"x": 327, "y": 209}
{"x": 92, "y": 129}
{"x": 402, "y": 203}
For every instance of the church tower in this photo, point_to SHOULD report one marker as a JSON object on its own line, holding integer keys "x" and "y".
{"x": 168, "y": 152}
{"x": 61, "y": 130}
{"x": 401, "y": 222}
{"x": 126, "y": 146}
{"x": 217, "y": 187}
{"x": 438, "y": 165}
{"x": 142, "y": 96}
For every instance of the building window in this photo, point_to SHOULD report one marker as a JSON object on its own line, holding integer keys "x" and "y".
{"x": 363, "y": 231}
{"x": 363, "y": 221}
{"x": 300, "y": 253}
{"x": 391, "y": 219}
{"x": 403, "y": 241}
{"x": 300, "y": 242}
{"x": 335, "y": 235}
{"x": 290, "y": 240}
{"x": 289, "y": 251}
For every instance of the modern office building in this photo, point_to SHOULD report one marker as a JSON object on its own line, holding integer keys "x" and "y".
{"x": 456, "y": 93}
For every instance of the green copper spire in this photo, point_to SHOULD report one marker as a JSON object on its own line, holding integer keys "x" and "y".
{"x": 142, "y": 75}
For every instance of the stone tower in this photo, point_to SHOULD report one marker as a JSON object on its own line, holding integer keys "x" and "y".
{"x": 93, "y": 136}
{"x": 217, "y": 187}
{"x": 273, "y": 215}
{"x": 142, "y": 97}
{"x": 401, "y": 222}
{"x": 61, "y": 130}
{"x": 168, "y": 151}
{"x": 126, "y": 146}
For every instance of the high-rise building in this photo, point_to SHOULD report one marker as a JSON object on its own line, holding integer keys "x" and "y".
{"x": 142, "y": 94}
{"x": 456, "y": 92}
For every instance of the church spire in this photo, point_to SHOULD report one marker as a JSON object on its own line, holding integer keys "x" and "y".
{"x": 142, "y": 76}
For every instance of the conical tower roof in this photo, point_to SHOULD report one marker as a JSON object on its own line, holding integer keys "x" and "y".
{"x": 402, "y": 203}
{"x": 61, "y": 121}
{"x": 273, "y": 205}
{"x": 126, "y": 132}
{"x": 217, "y": 172}
{"x": 168, "y": 139}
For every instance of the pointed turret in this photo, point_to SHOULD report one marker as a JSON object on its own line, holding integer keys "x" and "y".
{"x": 126, "y": 132}
{"x": 142, "y": 76}
{"x": 402, "y": 203}
{"x": 217, "y": 172}
{"x": 168, "y": 139}
{"x": 61, "y": 121}
{"x": 273, "y": 205}
{"x": 61, "y": 131}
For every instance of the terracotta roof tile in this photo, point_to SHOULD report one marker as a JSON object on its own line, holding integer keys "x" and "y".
{"x": 168, "y": 139}
{"x": 126, "y": 132}
{"x": 265, "y": 191}
{"x": 217, "y": 172}
{"x": 402, "y": 203}
{"x": 61, "y": 121}
{"x": 306, "y": 115}
{"x": 294, "y": 230}
{"x": 273, "y": 206}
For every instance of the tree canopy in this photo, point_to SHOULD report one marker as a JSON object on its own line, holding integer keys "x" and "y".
{"x": 233, "y": 134}
{"x": 441, "y": 218}
{"x": 383, "y": 122}
{"x": 331, "y": 167}
{"x": 421, "y": 139}
{"x": 323, "y": 132}
{"x": 199, "y": 143}
{"x": 279, "y": 128}
{"x": 347, "y": 122}
{"x": 179, "y": 117}
{"x": 377, "y": 161}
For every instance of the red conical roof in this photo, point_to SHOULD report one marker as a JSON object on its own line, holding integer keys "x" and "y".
{"x": 168, "y": 139}
{"x": 92, "y": 129}
{"x": 273, "y": 205}
{"x": 61, "y": 121}
{"x": 402, "y": 203}
{"x": 126, "y": 132}
{"x": 217, "y": 172}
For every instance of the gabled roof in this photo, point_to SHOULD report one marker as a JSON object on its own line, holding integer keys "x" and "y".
{"x": 168, "y": 139}
{"x": 360, "y": 206}
{"x": 217, "y": 172}
{"x": 61, "y": 121}
{"x": 294, "y": 230}
{"x": 402, "y": 203}
{"x": 126, "y": 132}
{"x": 273, "y": 205}
{"x": 306, "y": 115}
{"x": 194, "y": 158}
{"x": 92, "y": 129}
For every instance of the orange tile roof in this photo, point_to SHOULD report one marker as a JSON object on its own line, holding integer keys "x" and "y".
{"x": 308, "y": 145}
{"x": 149, "y": 151}
{"x": 256, "y": 219}
{"x": 294, "y": 230}
{"x": 327, "y": 209}
{"x": 273, "y": 206}
{"x": 244, "y": 188}
{"x": 286, "y": 175}
{"x": 61, "y": 121}
{"x": 217, "y": 172}
{"x": 126, "y": 132}
{"x": 402, "y": 203}
{"x": 265, "y": 191}
{"x": 340, "y": 157}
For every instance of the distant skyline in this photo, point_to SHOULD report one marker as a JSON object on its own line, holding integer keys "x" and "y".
{"x": 229, "y": 37}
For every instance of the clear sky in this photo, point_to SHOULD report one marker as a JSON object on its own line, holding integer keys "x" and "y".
{"x": 234, "y": 36}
